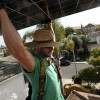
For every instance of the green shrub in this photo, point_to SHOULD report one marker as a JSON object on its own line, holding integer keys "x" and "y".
{"x": 77, "y": 79}
{"x": 89, "y": 75}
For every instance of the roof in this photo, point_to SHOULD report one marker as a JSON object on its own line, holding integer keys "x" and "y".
{"x": 25, "y": 13}
{"x": 90, "y": 25}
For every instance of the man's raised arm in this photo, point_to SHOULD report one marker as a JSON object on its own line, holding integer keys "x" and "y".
{"x": 14, "y": 43}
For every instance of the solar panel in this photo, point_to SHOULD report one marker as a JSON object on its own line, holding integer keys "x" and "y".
{"x": 25, "y": 13}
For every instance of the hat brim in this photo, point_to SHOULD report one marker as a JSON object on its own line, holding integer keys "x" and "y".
{"x": 37, "y": 45}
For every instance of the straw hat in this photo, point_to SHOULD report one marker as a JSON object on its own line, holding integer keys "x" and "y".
{"x": 43, "y": 38}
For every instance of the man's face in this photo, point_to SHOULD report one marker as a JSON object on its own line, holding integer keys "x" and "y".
{"x": 46, "y": 51}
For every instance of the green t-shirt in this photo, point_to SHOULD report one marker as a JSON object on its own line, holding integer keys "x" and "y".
{"x": 52, "y": 83}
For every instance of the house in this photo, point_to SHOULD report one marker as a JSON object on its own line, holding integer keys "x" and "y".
{"x": 93, "y": 34}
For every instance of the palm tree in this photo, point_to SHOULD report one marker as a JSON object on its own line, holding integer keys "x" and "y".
{"x": 71, "y": 47}
{"x": 41, "y": 26}
{"x": 58, "y": 30}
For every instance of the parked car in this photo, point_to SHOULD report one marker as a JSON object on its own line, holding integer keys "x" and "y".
{"x": 64, "y": 62}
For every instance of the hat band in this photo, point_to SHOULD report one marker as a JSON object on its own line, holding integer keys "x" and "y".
{"x": 44, "y": 41}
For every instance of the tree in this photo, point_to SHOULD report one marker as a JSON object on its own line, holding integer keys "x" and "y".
{"x": 91, "y": 74}
{"x": 59, "y": 34}
{"x": 68, "y": 31}
{"x": 77, "y": 43}
{"x": 95, "y": 58}
{"x": 71, "y": 47}
{"x": 41, "y": 26}
{"x": 84, "y": 43}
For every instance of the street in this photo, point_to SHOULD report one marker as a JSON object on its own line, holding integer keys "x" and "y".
{"x": 69, "y": 71}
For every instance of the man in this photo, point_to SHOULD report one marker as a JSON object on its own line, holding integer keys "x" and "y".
{"x": 44, "y": 44}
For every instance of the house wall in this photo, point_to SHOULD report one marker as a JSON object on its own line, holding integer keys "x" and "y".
{"x": 93, "y": 46}
{"x": 89, "y": 28}
{"x": 92, "y": 39}
{"x": 93, "y": 36}
{"x": 98, "y": 39}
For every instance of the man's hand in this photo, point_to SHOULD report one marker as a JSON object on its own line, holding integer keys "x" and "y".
{"x": 11, "y": 34}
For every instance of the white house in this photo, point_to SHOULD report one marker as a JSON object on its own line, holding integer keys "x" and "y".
{"x": 93, "y": 36}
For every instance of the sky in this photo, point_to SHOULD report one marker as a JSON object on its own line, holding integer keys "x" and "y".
{"x": 74, "y": 20}
{"x": 85, "y": 17}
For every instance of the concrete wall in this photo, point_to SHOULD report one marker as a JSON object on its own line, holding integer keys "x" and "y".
{"x": 13, "y": 89}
